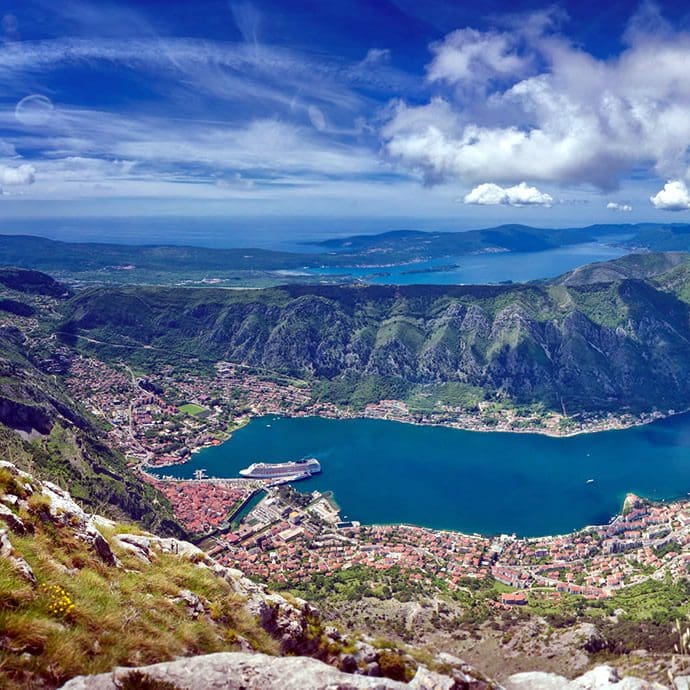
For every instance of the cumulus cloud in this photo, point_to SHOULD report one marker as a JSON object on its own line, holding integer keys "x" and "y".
{"x": 673, "y": 197}
{"x": 23, "y": 174}
{"x": 467, "y": 55}
{"x": 615, "y": 206}
{"x": 489, "y": 194}
{"x": 547, "y": 111}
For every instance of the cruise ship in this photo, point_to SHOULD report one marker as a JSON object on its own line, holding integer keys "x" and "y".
{"x": 298, "y": 469}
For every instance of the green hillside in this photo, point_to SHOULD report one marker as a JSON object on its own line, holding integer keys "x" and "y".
{"x": 620, "y": 345}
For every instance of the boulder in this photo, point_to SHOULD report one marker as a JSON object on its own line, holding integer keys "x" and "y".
{"x": 599, "y": 678}
{"x": 235, "y": 670}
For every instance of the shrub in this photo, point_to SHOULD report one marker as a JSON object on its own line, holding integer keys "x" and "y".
{"x": 393, "y": 666}
{"x": 136, "y": 680}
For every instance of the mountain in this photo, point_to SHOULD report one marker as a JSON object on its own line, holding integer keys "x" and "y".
{"x": 28, "y": 251}
{"x": 32, "y": 283}
{"x": 512, "y": 238}
{"x": 573, "y": 344}
{"x": 81, "y": 594}
{"x": 640, "y": 266}
{"x": 46, "y": 431}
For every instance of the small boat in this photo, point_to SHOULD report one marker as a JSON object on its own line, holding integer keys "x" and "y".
{"x": 589, "y": 481}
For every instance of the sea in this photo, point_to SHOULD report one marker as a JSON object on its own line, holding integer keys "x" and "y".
{"x": 384, "y": 472}
{"x": 303, "y": 235}
{"x": 295, "y": 234}
{"x": 488, "y": 268}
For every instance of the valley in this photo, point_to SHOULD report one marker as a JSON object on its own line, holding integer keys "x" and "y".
{"x": 167, "y": 377}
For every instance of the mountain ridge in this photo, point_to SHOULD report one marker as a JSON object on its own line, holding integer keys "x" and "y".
{"x": 581, "y": 346}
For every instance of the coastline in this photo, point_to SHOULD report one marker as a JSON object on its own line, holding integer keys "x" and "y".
{"x": 468, "y": 422}
{"x": 611, "y": 423}
{"x": 615, "y": 512}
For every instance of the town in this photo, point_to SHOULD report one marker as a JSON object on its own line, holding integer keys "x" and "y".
{"x": 289, "y": 536}
{"x": 281, "y": 535}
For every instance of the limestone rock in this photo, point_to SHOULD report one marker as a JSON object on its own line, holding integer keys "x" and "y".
{"x": 426, "y": 680}
{"x": 145, "y": 546}
{"x": 600, "y": 678}
{"x": 63, "y": 509}
{"x": 195, "y": 605}
{"x": 139, "y": 548}
{"x": 14, "y": 522}
{"x": 100, "y": 545}
{"x": 235, "y": 670}
{"x": 18, "y": 563}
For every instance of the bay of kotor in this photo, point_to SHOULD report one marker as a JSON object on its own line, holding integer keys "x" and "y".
{"x": 493, "y": 482}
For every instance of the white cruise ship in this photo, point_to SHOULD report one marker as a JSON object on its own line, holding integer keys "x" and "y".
{"x": 298, "y": 468}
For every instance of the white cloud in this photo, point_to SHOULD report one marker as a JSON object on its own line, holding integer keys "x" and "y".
{"x": 470, "y": 56}
{"x": 316, "y": 117}
{"x": 376, "y": 56}
{"x": 615, "y": 206}
{"x": 673, "y": 197}
{"x": 23, "y": 174}
{"x": 534, "y": 106}
{"x": 489, "y": 194}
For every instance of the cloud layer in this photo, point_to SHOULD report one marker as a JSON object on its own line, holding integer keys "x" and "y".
{"x": 260, "y": 112}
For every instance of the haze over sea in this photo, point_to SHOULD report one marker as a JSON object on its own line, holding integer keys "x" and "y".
{"x": 491, "y": 483}
{"x": 296, "y": 235}
{"x": 285, "y": 234}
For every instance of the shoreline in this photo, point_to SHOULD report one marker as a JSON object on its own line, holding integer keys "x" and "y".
{"x": 615, "y": 424}
{"x": 472, "y": 424}
{"x": 615, "y": 515}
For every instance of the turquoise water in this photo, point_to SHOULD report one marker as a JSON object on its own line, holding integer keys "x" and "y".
{"x": 472, "y": 269}
{"x": 387, "y": 472}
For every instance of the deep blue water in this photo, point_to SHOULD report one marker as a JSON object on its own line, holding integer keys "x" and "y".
{"x": 484, "y": 268}
{"x": 387, "y": 472}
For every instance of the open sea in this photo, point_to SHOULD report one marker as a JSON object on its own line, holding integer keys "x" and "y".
{"x": 486, "y": 482}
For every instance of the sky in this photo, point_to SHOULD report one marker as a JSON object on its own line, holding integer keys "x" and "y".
{"x": 451, "y": 113}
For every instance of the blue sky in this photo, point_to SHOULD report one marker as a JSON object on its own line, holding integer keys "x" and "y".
{"x": 455, "y": 113}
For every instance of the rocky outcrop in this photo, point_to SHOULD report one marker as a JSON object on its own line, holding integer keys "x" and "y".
{"x": 242, "y": 671}
{"x": 239, "y": 670}
{"x": 600, "y": 678}
{"x": 145, "y": 546}
{"x": 58, "y": 507}
{"x": 18, "y": 563}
